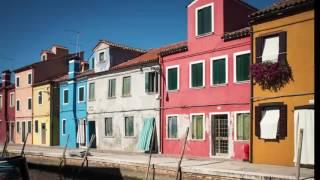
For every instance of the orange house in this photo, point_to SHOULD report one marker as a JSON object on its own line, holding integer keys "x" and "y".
{"x": 283, "y": 33}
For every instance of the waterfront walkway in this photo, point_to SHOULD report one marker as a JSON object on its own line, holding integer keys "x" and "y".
{"x": 205, "y": 166}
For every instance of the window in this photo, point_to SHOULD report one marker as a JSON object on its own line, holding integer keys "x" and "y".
{"x": 65, "y": 96}
{"x": 108, "y": 126}
{"x": 0, "y": 102}
{"x": 36, "y": 126}
{"x": 197, "y": 128}
{"x": 11, "y": 99}
{"x": 197, "y": 74}
{"x": 18, "y": 105}
{"x": 101, "y": 56}
{"x": 64, "y": 126}
{"x": 44, "y": 57}
{"x": 241, "y": 66}
{"x": 91, "y": 91}
{"x": 112, "y": 88}
{"x": 92, "y": 62}
{"x": 271, "y": 121}
{"x": 219, "y": 71}
{"x": 272, "y": 48}
{"x": 40, "y": 97}
{"x": 173, "y": 78}
{"x": 81, "y": 94}
{"x": 126, "y": 86}
{"x": 29, "y": 126}
{"x": 172, "y": 127}
{"x": 17, "y": 81}
{"x": 204, "y": 18}
{"x": 243, "y": 126}
{"x": 18, "y": 127}
{"x": 29, "y": 78}
{"x": 151, "y": 82}
{"x": 29, "y": 103}
{"x": 129, "y": 126}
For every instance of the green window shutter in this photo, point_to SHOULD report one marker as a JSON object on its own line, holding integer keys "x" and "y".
{"x": 129, "y": 126}
{"x": 242, "y": 68}
{"x": 172, "y": 127}
{"x": 113, "y": 88}
{"x": 147, "y": 78}
{"x": 219, "y": 71}
{"x": 204, "y": 20}
{"x": 243, "y": 126}
{"x": 246, "y": 128}
{"x": 172, "y": 79}
{"x": 197, "y": 75}
{"x": 91, "y": 91}
{"x": 126, "y": 86}
{"x": 197, "y": 127}
{"x": 240, "y": 127}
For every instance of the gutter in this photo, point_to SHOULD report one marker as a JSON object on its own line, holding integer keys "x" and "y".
{"x": 251, "y": 99}
{"x": 161, "y": 105}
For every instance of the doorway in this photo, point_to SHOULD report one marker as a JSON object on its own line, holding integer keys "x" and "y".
{"x": 43, "y": 133}
{"x": 23, "y": 135}
{"x": 219, "y": 135}
{"x": 92, "y": 131}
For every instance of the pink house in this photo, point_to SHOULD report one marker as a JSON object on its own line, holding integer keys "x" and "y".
{"x": 207, "y": 87}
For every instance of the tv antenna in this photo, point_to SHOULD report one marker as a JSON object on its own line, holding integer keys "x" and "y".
{"x": 77, "y": 33}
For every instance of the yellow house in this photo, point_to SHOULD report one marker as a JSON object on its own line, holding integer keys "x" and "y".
{"x": 283, "y": 33}
{"x": 45, "y": 114}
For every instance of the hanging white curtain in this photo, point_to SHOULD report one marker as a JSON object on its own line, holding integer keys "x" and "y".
{"x": 304, "y": 119}
{"x": 269, "y": 124}
{"x": 81, "y": 132}
{"x": 271, "y": 49}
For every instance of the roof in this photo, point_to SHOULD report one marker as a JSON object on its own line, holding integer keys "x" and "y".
{"x": 281, "y": 8}
{"x": 119, "y": 46}
{"x": 244, "y": 32}
{"x": 241, "y": 1}
{"x": 151, "y": 55}
{"x": 69, "y": 56}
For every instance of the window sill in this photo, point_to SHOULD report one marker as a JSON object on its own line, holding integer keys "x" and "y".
{"x": 102, "y": 61}
{"x": 242, "y": 82}
{"x": 111, "y": 98}
{"x": 173, "y": 91}
{"x": 90, "y": 100}
{"x": 126, "y": 96}
{"x": 108, "y": 137}
{"x": 130, "y": 137}
{"x": 219, "y": 85}
{"x": 197, "y": 140}
{"x": 242, "y": 140}
{"x": 204, "y": 35}
{"x": 172, "y": 139}
{"x": 200, "y": 87}
{"x": 151, "y": 93}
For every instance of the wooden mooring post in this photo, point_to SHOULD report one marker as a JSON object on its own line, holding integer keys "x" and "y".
{"x": 150, "y": 150}
{"x": 299, "y": 154}
{"x": 182, "y": 154}
{"x": 24, "y": 145}
{"x": 4, "y": 151}
{"x": 85, "y": 157}
{"x": 63, "y": 158}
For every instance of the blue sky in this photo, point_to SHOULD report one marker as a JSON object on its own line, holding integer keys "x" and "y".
{"x": 27, "y": 27}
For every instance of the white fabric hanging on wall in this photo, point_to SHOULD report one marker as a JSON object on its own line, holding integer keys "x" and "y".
{"x": 269, "y": 124}
{"x": 81, "y": 132}
{"x": 271, "y": 49}
{"x": 304, "y": 119}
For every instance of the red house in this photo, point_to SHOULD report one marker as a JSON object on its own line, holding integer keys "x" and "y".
{"x": 7, "y": 111}
{"x": 207, "y": 87}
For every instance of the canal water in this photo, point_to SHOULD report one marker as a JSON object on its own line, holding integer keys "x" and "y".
{"x": 37, "y": 172}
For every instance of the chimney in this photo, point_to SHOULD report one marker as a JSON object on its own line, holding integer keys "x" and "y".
{"x": 74, "y": 68}
{"x": 59, "y": 50}
{"x": 6, "y": 75}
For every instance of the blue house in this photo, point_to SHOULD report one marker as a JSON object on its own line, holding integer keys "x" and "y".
{"x": 73, "y": 106}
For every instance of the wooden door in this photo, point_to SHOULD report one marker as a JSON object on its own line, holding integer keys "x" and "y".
{"x": 43, "y": 133}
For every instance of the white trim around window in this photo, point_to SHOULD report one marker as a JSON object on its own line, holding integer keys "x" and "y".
{"x": 18, "y": 100}
{"x": 235, "y": 124}
{"x": 63, "y": 96}
{"x": 235, "y": 66}
{"x": 178, "y": 77}
{"x": 203, "y": 124}
{"x": 167, "y": 124}
{"x": 17, "y": 77}
{"x": 40, "y": 92}
{"x": 226, "y": 70}
{"x": 196, "y": 19}
{"x": 1, "y": 104}
{"x": 203, "y": 73}
{"x": 30, "y": 78}
{"x": 28, "y": 103}
{"x": 78, "y": 96}
{"x": 63, "y": 128}
{"x": 11, "y": 99}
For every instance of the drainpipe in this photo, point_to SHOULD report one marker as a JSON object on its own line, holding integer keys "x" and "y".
{"x": 161, "y": 105}
{"x": 251, "y": 98}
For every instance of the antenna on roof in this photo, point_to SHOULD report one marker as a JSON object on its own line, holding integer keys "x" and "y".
{"x": 77, "y": 39}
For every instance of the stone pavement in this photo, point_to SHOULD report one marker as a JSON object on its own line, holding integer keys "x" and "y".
{"x": 214, "y": 167}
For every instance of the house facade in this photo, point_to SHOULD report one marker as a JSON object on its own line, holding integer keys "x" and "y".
{"x": 73, "y": 106}
{"x": 126, "y": 104}
{"x": 7, "y": 112}
{"x": 207, "y": 87}
{"x": 279, "y": 114}
{"x": 46, "y": 113}
{"x": 31, "y": 74}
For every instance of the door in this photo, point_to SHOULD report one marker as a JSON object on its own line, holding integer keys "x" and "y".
{"x": 92, "y": 131}
{"x": 11, "y": 132}
{"x": 219, "y": 132}
{"x": 43, "y": 133}
{"x": 23, "y": 131}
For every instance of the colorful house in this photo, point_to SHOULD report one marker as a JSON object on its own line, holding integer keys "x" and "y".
{"x": 206, "y": 87}
{"x": 53, "y": 63}
{"x": 125, "y": 105}
{"x": 7, "y": 119}
{"x": 46, "y": 113}
{"x": 283, "y": 36}
{"x": 73, "y": 105}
